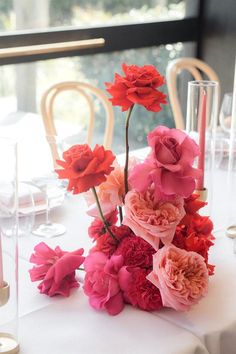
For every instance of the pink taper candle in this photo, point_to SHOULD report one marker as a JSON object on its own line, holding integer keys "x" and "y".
{"x": 202, "y": 133}
{"x": 1, "y": 265}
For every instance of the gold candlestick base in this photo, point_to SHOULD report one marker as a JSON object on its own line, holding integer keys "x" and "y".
{"x": 231, "y": 231}
{"x": 202, "y": 194}
{"x": 8, "y": 344}
{"x": 4, "y": 295}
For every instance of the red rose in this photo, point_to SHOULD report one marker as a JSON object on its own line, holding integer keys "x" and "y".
{"x": 97, "y": 228}
{"x": 136, "y": 252}
{"x": 85, "y": 168}
{"x": 106, "y": 244}
{"x": 138, "y": 291}
{"x": 138, "y": 86}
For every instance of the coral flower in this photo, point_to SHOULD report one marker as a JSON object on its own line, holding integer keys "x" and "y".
{"x": 85, "y": 168}
{"x": 181, "y": 277}
{"x": 137, "y": 86}
{"x": 150, "y": 219}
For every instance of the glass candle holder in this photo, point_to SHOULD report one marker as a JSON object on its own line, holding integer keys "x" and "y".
{"x": 8, "y": 248}
{"x": 201, "y": 123}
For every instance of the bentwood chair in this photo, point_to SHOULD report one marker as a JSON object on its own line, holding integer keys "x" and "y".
{"x": 197, "y": 68}
{"x": 90, "y": 94}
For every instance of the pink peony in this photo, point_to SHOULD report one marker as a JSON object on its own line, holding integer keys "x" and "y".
{"x": 181, "y": 277}
{"x": 101, "y": 282}
{"x": 56, "y": 269}
{"x": 150, "y": 219}
{"x": 169, "y": 165}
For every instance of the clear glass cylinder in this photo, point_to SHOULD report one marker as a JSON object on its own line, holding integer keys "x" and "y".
{"x": 201, "y": 124}
{"x": 8, "y": 247}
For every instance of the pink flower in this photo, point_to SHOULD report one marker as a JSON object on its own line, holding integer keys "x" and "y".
{"x": 169, "y": 165}
{"x": 150, "y": 219}
{"x": 102, "y": 282}
{"x": 56, "y": 269}
{"x": 181, "y": 277}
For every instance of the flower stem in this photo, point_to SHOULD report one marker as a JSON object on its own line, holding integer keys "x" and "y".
{"x": 101, "y": 214}
{"x": 127, "y": 149}
{"x": 81, "y": 269}
{"x": 120, "y": 214}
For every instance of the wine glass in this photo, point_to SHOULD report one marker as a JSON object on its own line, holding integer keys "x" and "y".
{"x": 226, "y": 112}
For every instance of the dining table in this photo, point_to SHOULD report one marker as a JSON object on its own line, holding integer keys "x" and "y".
{"x": 59, "y": 325}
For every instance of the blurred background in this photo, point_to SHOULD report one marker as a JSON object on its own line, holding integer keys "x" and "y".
{"x": 135, "y": 32}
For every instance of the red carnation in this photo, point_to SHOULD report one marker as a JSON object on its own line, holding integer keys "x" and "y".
{"x": 106, "y": 244}
{"x": 138, "y": 86}
{"x": 192, "y": 204}
{"x": 138, "y": 291}
{"x": 97, "y": 228}
{"x": 136, "y": 252}
{"x": 85, "y": 168}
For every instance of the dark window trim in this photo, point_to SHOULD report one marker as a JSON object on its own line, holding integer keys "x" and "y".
{"x": 121, "y": 37}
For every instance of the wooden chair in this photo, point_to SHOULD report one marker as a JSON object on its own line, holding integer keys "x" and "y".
{"x": 196, "y": 67}
{"x": 88, "y": 92}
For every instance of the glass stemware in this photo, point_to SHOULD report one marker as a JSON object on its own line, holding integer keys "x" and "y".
{"x": 226, "y": 112}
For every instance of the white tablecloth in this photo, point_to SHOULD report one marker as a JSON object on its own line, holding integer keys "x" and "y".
{"x": 58, "y": 325}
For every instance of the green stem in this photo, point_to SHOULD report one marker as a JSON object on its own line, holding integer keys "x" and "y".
{"x": 127, "y": 150}
{"x": 101, "y": 214}
{"x": 120, "y": 214}
{"x": 81, "y": 269}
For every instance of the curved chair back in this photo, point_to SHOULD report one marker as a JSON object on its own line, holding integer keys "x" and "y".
{"x": 88, "y": 92}
{"x": 196, "y": 67}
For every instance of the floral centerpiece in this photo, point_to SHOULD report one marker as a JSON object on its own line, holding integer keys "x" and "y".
{"x": 157, "y": 254}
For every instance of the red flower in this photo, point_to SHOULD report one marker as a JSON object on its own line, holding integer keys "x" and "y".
{"x": 192, "y": 204}
{"x": 138, "y": 86}
{"x": 136, "y": 252}
{"x": 56, "y": 269}
{"x": 195, "y": 235}
{"x": 106, "y": 244}
{"x": 85, "y": 168}
{"x": 97, "y": 228}
{"x": 138, "y": 291}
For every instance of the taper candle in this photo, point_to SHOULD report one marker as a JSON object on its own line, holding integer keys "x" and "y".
{"x": 202, "y": 139}
{"x": 1, "y": 264}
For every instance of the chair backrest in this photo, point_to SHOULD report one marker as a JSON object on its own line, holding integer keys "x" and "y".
{"x": 88, "y": 92}
{"x": 196, "y": 67}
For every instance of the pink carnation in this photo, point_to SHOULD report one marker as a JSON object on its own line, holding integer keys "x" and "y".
{"x": 56, "y": 269}
{"x": 169, "y": 165}
{"x": 101, "y": 283}
{"x": 150, "y": 219}
{"x": 181, "y": 277}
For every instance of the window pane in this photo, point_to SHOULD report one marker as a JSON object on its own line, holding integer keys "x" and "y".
{"x": 22, "y": 86}
{"x": 25, "y": 14}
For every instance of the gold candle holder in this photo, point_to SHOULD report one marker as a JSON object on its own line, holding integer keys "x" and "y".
{"x": 4, "y": 295}
{"x": 8, "y": 344}
{"x": 202, "y": 193}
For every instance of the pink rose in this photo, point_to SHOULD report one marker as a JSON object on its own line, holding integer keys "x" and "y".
{"x": 101, "y": 283}
{"x": 150, "y": 219}
{"x": 56, "y": 269}
{"x": 169, "y": 165}
{"x": 181, "y": 277}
